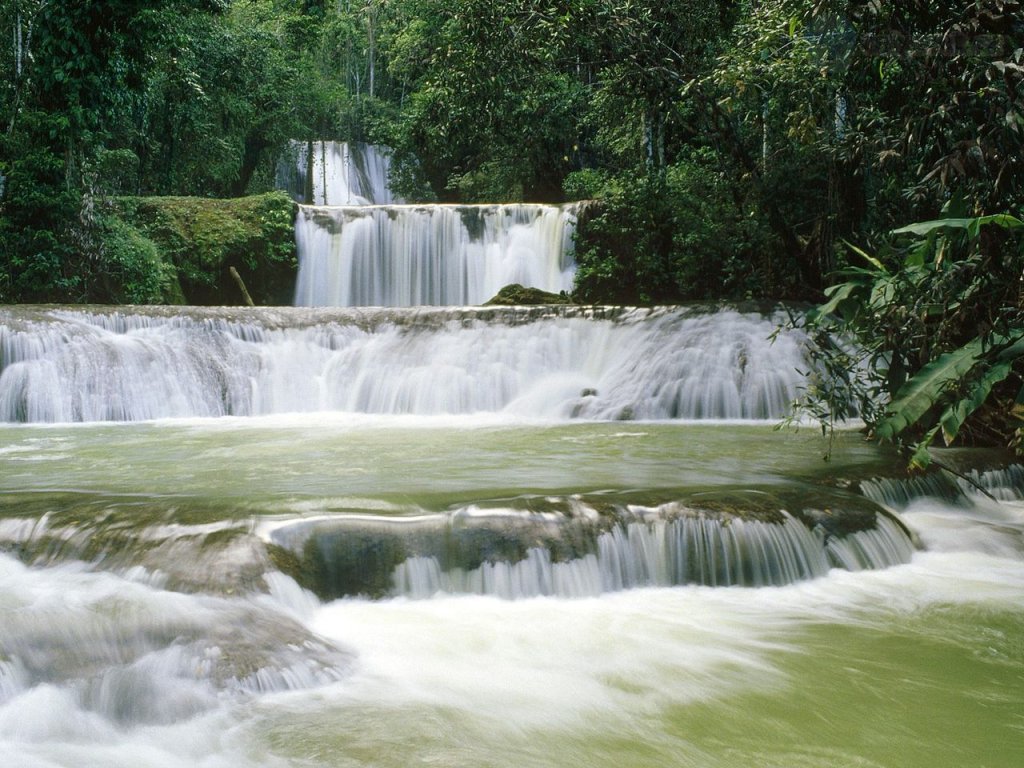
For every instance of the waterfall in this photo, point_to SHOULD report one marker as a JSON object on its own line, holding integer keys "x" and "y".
{"x": 356, "y": 247}
{"x": 514, "y": 554}
{"x": 1004, "y": 483}
{"x": 570, "y": 362}
{"x": 938, "y": 504}
{"x": 341, "y": 173}
{"x": 688, "y": 551}
{"x": 398, "y": 256}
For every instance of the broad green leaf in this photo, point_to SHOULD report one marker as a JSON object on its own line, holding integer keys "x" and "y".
{"x": 1017, "y": 409}
{"x": 883, "y": 293}
{"x": 1004, "y": 220}
{"x": 919, "y": 255}
{"x": 971, "y": 225}
{"x": 923, "y": 228}
{"x": 837, "y": 295}
{"x": 921, "y": 458}
{"x": 924, "y": 389}
{"x": 866, "y": 256}
{"x": 1014, "y": 348}
{"x": 954, "y": 417}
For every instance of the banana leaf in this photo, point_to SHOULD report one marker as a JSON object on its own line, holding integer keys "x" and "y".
{"x": 837, "y": 294}
{"x": 954, "y": 417}
{"x": 972, "y": 225}
{"x": 930, "y": 384}
{"x": 919, "y": 394}
{"x": 921, "y": 458}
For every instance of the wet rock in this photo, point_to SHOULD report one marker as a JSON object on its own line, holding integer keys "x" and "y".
{"x": 515, "y": 295}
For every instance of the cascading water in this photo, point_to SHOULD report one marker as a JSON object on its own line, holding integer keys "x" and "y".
{"x": 482, "y": 487}
{"x": 979, "y": 508}
{"x": 356, "y": 247}
{"x": 504, "y": 363}
{"x": 401, "y": 256}
{"x": 336, "y": 173}
{"x": 509, "y": 554}
{"x": 58, "y": 366}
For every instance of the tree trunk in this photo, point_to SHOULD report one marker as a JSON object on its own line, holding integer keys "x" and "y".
{"x": 654, "y": 139}
{"x": 250, "y": 160}
{"x": 18, "y": 49}
{"x": 372, "y": 46}
{"x": 307, "y": 181}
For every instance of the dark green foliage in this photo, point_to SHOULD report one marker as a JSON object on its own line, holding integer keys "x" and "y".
{"x": 134, "y": 271}
{"x": 939, "y": 322}
{"x": 38, "y": 260}
{"x": 78, "y": 74}
{"x": 685, "y": 233}
{"x": 495, "y": 102}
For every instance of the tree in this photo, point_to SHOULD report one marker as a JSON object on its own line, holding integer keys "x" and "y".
{"x": 494, "y": 100}
{"x": 86, "y": 65}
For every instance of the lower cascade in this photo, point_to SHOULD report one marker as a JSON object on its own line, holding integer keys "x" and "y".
{"x": 411, "y": 255}
{"x": 520, "y": 555}
{"x": 575, "y": 548}
{"x": 606, "y": 364}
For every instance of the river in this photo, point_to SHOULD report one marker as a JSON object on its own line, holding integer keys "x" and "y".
{"x": 501, "y": 571}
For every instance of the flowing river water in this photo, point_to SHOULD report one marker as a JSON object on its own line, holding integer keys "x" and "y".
{"x": 466, "y": 538}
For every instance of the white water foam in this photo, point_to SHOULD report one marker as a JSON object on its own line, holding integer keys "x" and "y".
{"x": 119, "y": 650}
{"x": 456, "y": 677}
{"x": 547, "y": 662}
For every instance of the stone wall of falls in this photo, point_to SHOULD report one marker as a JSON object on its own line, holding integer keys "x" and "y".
{"x": 569, "y": 362}
{"x": 399, "y": 256}
{"x": 336, "y": 173}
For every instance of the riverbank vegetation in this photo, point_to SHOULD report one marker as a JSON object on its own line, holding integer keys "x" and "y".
{"x": 779, "y": 149}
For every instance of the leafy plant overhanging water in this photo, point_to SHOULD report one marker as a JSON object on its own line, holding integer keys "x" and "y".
{"x": 939, "y": 337}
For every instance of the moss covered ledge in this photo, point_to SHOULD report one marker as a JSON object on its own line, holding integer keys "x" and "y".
{"x": 201, "y": 239}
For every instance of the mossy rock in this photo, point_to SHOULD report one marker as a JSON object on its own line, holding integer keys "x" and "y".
{"x": 204, "y": 238}
{"x": 516, "y": 295}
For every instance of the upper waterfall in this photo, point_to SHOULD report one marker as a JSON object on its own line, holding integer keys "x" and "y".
{"x": 410, "y": 255}
{"x": 336, "y": 173}
{"x": 359, "y": 246}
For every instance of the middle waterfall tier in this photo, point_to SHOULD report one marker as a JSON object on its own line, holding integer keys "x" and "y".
{"x": 442, "y": 255}
{"x": 596, "y": 363}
